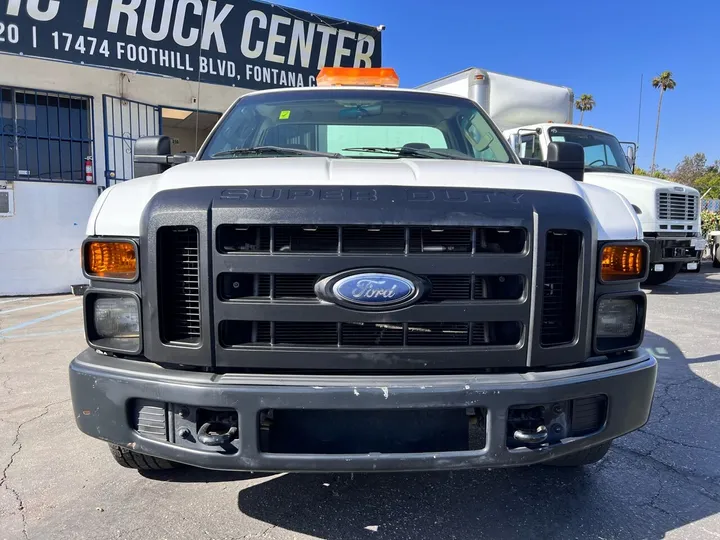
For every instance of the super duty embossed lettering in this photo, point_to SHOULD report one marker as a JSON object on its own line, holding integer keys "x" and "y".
{"x": 370, "y": 195}
{"x": 460, "y": 196}
{"x": 300, "y": 194}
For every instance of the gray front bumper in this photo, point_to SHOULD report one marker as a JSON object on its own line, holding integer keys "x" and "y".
{"x": 102, "y": 388}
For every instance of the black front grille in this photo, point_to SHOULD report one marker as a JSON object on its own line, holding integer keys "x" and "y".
{"x": 386, "y": 335}
{"x": 384, "y": 240}
{"x": 559, "y": 301}
{"x": 443, "y": 288}
{"x": 179, "y": 284}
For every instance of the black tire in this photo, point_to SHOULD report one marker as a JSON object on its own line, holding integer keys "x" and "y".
{"x": 140, "y": 462}
{"x": 716, "y": 257}
{"x": 584, "y": 457}
{"x": 658, "y": 278}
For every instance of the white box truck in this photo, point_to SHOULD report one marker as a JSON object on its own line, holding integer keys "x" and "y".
{"x": 533, "y": 114}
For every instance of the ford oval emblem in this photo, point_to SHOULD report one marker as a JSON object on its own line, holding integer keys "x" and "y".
{"x": 367, "y": 290}
{"x": 374, "y": 289}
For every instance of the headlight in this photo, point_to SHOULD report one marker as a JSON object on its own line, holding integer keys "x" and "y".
{"x": 619, "y": 322}
{"x": 113, "y": 322}
{"x": 616, "y": 317}
{"x": 110, "y": 259}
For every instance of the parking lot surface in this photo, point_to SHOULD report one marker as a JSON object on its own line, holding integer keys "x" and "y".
{"x": 660, "y": 482}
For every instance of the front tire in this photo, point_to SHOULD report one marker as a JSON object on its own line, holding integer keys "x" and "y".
{"x": 716, "y": 256}
{"x": 658, "y": 278}
{"x": 584, "y": 457}
{"x": 139, "y": 462}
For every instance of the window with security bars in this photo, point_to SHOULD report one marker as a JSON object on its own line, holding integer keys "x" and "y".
{"x": 44, "y": 136}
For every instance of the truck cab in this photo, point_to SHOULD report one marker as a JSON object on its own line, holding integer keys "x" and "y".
{"x": 533, "y": 114}
{"x": 358, "y": 277}
{"x": 669, "y": 212}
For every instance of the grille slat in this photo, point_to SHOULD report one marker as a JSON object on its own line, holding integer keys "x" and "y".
{"x": 295, "y": 285}
{"x": 369, "y": 335}
{"x": 378, "y": 335}
{"x": 438, "y": 334}
{"x": 179, "y": 284}
{"x": 373, "y": 239}
{"x": 677, "y": 206}
{"x": 443, "y": 288}
{"x": 450, "y": 288}
{"x": 305, "y": 333}
{"x": 388, "y": 240}
{"x": 559, "y": 302}
{"x": 306, "y": 239}
{"x": 452, "y": 240}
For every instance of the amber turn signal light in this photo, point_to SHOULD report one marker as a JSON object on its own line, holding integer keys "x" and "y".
{"x": 339, "y": 76}
{"x": 112, "y": 259}
{"x": 621, "y": 262}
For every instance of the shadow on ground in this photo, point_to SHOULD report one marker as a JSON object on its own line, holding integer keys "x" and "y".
{"x": 659, "y": 479}
{"x": 689, "y": 283}
{"x": 664, "y": 477}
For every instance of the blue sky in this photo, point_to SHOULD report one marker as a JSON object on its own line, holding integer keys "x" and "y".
{"x": 600, "y": 49}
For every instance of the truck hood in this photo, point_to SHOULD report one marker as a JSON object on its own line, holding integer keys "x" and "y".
{"x": 118, "y": 212}
{"x": 640, "y": 191}
{"x": 635, "y": 180}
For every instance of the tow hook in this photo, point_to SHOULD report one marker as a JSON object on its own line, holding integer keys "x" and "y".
{"x": 216, "y": 433}
{"x": 538, "y": 436}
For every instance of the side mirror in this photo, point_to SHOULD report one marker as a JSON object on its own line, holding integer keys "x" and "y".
{"x": 568, "y": 158}
{"x": 153, "y": 155}
{"x": 631, "y": 154}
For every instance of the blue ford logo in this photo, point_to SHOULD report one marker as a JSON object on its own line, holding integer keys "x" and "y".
{"x": 370, "y": 290}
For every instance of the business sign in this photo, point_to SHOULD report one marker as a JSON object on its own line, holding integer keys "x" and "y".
{"x": 231, "y": 42}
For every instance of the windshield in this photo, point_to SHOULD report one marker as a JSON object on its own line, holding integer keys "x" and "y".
{"x": 602, "y": 151}
{"x": 352, "y": 123}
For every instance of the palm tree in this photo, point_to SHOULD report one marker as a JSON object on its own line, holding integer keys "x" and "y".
{"x": 585, "y": 103}
{"x": 663, "y": 82}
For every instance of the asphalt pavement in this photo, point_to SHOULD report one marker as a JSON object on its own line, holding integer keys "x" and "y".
{"x": 660, "y": 482}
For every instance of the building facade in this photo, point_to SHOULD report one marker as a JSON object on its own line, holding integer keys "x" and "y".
{"x": 81, "y": 81}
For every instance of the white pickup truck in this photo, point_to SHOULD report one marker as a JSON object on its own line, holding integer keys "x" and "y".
{"x": 358, "y": 277}
{"x": 532, "y": 114}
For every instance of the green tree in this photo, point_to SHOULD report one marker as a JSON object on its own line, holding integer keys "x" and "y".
{"x": 585, "y": 103}
{"x": 662, "y": 82}
{"x": 690, "y": 169}
{"x": 709, "y": 181}
{"x": 662, "y": 174}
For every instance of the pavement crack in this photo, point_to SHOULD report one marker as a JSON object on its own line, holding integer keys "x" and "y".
{"x": 4, "y": 384}
{"x": 16, "y": 442}
{"x": 695, "y": 479}
{"x": 679, "y": 443}
{"x": 270, "y": 528}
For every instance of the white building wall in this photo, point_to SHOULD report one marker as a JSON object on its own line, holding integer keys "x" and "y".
{"x": 40, "y": 244}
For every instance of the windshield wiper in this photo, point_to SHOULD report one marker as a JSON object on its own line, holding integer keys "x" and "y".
{"x": 408, "y": 151}
{"x": 606, "y": 167}
{"x": 273, "y": 150}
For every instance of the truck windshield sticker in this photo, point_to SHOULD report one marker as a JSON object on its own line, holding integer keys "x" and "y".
{"x": 284, "y": 115}
{"x": 557, "y": 138}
